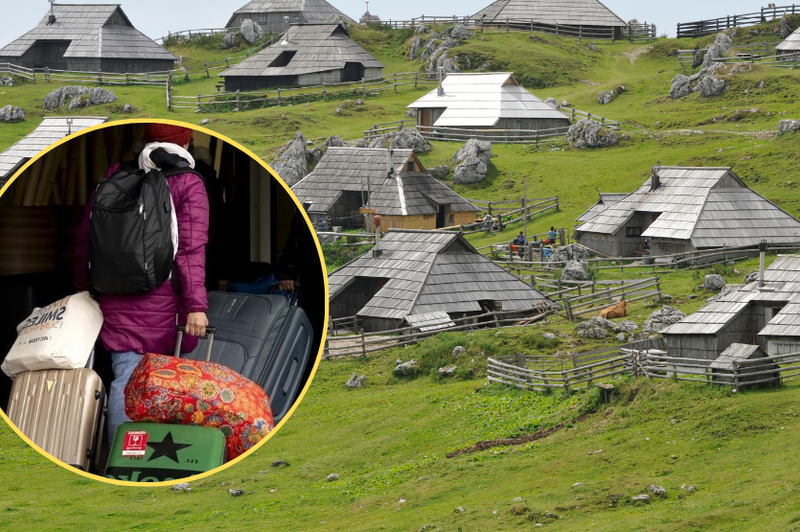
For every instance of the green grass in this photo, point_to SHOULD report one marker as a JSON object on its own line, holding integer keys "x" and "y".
{"x": 388, "y": 441}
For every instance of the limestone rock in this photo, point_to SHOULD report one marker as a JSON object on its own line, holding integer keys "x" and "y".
{"x": 661, "y": 319}
{"x": 680, "y": 87}
{"x": 61, "y": 95}
{"x": 551, "y": 102}
{"x": 475, "y": 148}
{"x": 204, "y": 121}
{"x": 787, "y": 28}
{"x": 279, "y": 463}
{"x": 6, "y": 81}
{"x": 332, "y": 477}
{"x": 411, "y": 113}
{"x": 292, "y": 162}
{"x": 355, "y": 381}
{"x": 459, "y": 32}
{"x": 434, "y": 57}
{"x": 604, "y": 97}
{"x": 229, "y": 41}
{"x": 251, "y": 31}
{"x": 713, "y": 282}
{"x": 439, "y": 172}
{"x": 712, "y": 86}
{"x": 591, "y": 47}
{"x": 549, "y": 336}
{"x": 421, "y": 28}
{"x": 592, "y": 330}
{"x": 657, "y": 490}
{"x": 80, "y": 101}
{"x": 415, "y": 46}
{"x": 788, "y": 125}
{"x": 641, "y": 498}
{"x": 575, "y": 270}
{"x": 361, "y": 143}
{"x": 620, "y": 337}
{"x": 406, "y": 368}
{"x": 447, "y": 371}
{"x": 751, "y": 277}
{"x": 128, "y": 108}
{"x": 627, "y": 326}
{"x": 183, "y": 486}
{"x": 588, "y": 133}
{"x": 410, "y": 139}
{"x": 568, "y": 253}
{"x": 12, "y": 114}
{"x": 473, "y": 160}
{"x": 458, "y": 350}
{"x": 429, "y": 49}
{"x": 100, "y": 96}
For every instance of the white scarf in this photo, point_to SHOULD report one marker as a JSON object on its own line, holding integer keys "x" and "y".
{"x": 147, "y": 164}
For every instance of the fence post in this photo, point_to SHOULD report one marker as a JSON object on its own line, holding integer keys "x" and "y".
{"x": 416, "y": 77}
{"x": 395, "y": 81}
{"x": 169, "y": 87}
{"x": 557, "y": 207}
{"x": 506, "y": 24}
{"x": 198, "y": 101}
{"x": 323, "y": 91}
{"x": 127, "y": 79}
{"x": 363, "y": 89}
{"x": 99, "y": 78}
{"x": 186, "y": 72}
{"x": 736, "y": 375}
{"x": 46, "y": 75}
{"x": 363, "y": 345}
{"x": 237, "y": 100}
{"x": 561, "y": 235}
{"x": 279, "y": 97}
{"x": 207, "y": 74}
{"x": 227, "y": 61}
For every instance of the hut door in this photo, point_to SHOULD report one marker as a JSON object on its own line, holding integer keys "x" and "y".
{"x": 441, "y": 216}
{"x": 425, "y": 117}
{"x": 353, "y": 72}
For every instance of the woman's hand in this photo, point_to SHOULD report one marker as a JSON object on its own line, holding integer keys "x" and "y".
{"x": 196, "y": 323}
{"x": 287, "y": 285}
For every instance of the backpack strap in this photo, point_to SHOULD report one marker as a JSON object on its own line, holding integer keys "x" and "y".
{"x": 183, "y": 170}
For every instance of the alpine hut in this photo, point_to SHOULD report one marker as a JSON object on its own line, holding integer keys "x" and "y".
{"x": 791, "y": 44}
{"x": 273, "y": 15}
{"x": 765, "y": 313}
{"x": 684, "y": 209}
{"x": 307, "y": 55}
{"x": 393, "y": 183}
{"x": 576, "y": 18}
{"x": 420, "y": 272}
{"x": 485, "y": 101}
{"x": 87, "y": 38}
{"x": 743, "y": 359}
{"x": 606, "y": 200}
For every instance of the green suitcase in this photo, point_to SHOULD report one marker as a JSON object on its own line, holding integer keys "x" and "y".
{"x": 156, "y": 452}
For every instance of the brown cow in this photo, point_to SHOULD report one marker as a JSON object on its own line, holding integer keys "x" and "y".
{"x": 620, "y": 310}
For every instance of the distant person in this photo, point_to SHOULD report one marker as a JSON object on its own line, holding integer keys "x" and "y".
{"x": 552, "y": 235}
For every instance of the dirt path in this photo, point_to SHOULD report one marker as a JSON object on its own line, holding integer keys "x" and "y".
{"x": 634, "y": 55}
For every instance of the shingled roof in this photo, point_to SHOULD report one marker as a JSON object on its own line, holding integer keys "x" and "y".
{"x": 96, "y": 31}
{"x": 712, "y": 207}
{"x": 562, "y": 12}
{"x": 51, "y": 130}
{"x": 313, "y": 11}
{"x": 482, "y": 99}
{"x": 361, "y": 169}
{"x": 428, "y": 271}
{"x": 790, "y": 43}
{"x": 606, "y": 200}
{"x": 315, "y": 48}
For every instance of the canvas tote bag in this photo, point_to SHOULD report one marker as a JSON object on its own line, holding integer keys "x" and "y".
{"x": 58, "y": 336}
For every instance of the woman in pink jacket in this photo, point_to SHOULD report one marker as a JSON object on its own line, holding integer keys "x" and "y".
{"x": 146, "y": 323}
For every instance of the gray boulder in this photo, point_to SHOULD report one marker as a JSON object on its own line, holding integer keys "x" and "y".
{"x": 128, "y": 108}
{"x": 229, "y": 41}
{"x": 588, "y": 133}
{"x": 447, "y": 64}
{"x": 713, "y": 282}
{"x": 568, "y": 253}
{"x": 473, "y": 160}
{"x": 712, "y": 86}
{"x": 680, "y": 87}
{"x": 596, "y": 328}
{"x": 661, "y": 319}
{"x": 459, "y": 32}
{"x": 251, "y": 31}
{"x": 406, "y": 368}
{"x": 620, "y": 337}
{"x": 355, "y": 381}
{"x": 439, "y": 172}
{"x": 204, "y": 121}
{"x": 575, "y": 270}
{"x": 61, "y": 95}
{"x": 361, "y": 143}
{"x": 80, "y": 101}
{"x": 415, "y": 47}
{"x": 604, "y": 97}
{"x": 751, "y": 277}
{"x": 6, "y": 81}
{"x": 657, "y": 490}
{"x": 12, "y": 114}
{"x": 292, "y": 162}
{"x": 332, "y": 477}
{"x": 698, "y": 57}
{"x": 787, "y": 28}
{"x": 335, "y": 141}
{"x": 591, "y": 47}
{"x": 458, "y": 350}
{"x": 410, "y": 139}
{"x": 788, "y": 125}
{"x": 641, "y": 498}
{"x": 367, "y": 18}
{"x": 434, "y": 57}
{"x": 411, "y": 113}
{"x": 722, "y": 43}
{"x": 429, "y": 49}
{"x": 100, "y": 96}
{"x": 447, "y": 371}
{"x": 626, "y": 326}
{"x": 421, "y": 28}
{"x": 552, "y": 102}
{"x": 475, "y": 148}
{"x": 549, "y": 336}
{"x": 602, "y": 322}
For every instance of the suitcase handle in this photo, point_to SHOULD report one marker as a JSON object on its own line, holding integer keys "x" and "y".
{"x": 210, "y": 332}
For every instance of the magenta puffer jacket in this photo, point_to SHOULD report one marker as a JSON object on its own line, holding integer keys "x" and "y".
{"x": 146, "y": 323}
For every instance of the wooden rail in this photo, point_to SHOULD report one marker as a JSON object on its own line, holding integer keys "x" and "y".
{"x": 749, "y": 52}
{"x": 716, "y": 25}
{"x": 16, "y": 70}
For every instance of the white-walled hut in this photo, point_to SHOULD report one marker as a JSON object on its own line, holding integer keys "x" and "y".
{"x": 347, "y": 179}
{"x": 273, "y": 15}
{"x": 685, "y": 209}
{"x": 420, "y": 272}
{"x": 87, "y": 38}
{"x": 485, "y": 101}
{"x": 767, "y": 316}
{"x": 307, "y": 55}
{"x": 585, "y": 18}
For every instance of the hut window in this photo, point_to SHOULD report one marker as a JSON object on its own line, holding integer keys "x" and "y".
{"x": 451, "y": 219}
{"x": 411, "y": 166}
{"x": 631, "y": 232}
{"x": 283, "y": 59}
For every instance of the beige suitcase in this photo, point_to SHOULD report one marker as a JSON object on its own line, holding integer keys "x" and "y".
{"x": 61, "y": 411}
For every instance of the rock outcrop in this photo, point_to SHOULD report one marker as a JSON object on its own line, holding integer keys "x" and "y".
{"x": 251, "y": 31}
{"x": 11, "y": 113}
{"x": 588, "y": 133}
{"x": 292, "y": 162}
{"x": 473, "y": 161}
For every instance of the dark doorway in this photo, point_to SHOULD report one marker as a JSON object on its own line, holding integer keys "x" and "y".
{"x": 283, "y": 59}
{"x": 48, "y": 54}
{"x": 353, "y": 72}
{"x": 441, "y": 216}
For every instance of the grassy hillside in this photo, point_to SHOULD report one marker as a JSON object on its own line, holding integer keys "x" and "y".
{"x": 388, "y": 441}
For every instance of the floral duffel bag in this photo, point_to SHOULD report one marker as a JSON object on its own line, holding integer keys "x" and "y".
{"x": 167, "y": 389}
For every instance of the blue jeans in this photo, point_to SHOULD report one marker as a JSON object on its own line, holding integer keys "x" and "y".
{"x": 123, "y": 365}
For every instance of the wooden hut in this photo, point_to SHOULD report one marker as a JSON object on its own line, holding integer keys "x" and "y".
{"x": 790, "y": 45}
{"x": 605, "y": 201}
{"x": 307, "y": 55}
{"x": 420, "y": 272}
{"x": 273, "y": 15}
{"x": 767, "y": 316}
{"x": 486, "y": 101}
{"x": 683, "y": 209}
{"x": 585, "y": 18}
{"x": 87, "y": 38}
{"x": 347, "y": 179}
{"x": 734, "y": 360}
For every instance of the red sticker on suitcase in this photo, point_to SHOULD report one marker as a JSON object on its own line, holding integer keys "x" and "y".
{"x": 135, "y": 443}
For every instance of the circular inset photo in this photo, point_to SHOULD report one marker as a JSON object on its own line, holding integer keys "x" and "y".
{"x": 164, "y": 301}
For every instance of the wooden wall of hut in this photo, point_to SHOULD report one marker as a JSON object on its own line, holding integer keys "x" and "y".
{"x": 416, "y": 221}
{"x": 252, "y": 83}
{"x": 371, "y": 324}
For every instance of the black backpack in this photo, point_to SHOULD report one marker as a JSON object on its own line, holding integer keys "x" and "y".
{"x": 130, "y": 237}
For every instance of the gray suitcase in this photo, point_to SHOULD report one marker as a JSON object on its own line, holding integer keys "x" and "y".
{"x": 264, "y": 338}
{"x": 62, "y": 412}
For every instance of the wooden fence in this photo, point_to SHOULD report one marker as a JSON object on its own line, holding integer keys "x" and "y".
{"x": 16, "y": 70}
{"x": 745, "y": 53}
{"x": 194, "y": 33}
{"x": 363, "y": 343}
{"x": 708, "y": 27}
